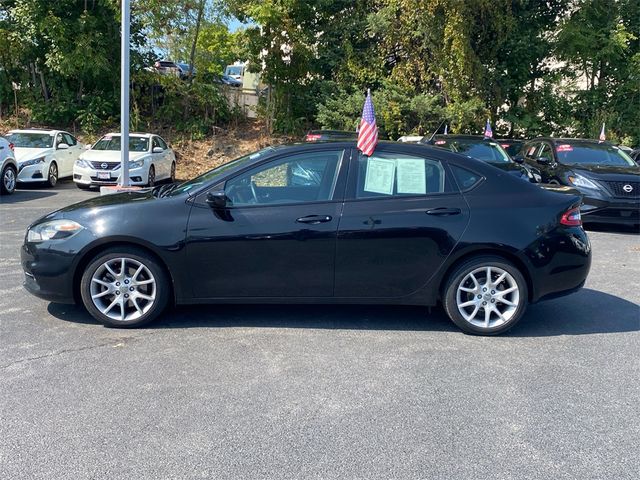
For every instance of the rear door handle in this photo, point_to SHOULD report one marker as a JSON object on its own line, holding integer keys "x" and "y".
{"x": 442, "y": 211}
{"x": 314, "y": 219}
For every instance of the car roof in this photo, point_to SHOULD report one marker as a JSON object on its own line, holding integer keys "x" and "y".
{"x": 463, "y": 137}
{"x": 132, "y": 134}
{"x": 34, "y": 130}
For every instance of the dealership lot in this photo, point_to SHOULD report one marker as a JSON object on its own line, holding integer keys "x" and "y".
{"x": 319, "y": 392}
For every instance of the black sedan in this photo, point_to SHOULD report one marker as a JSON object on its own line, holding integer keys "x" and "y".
{"x": 318, "y": 223}
{"x": 484, "y": 149}
{"x": 606, "y": 176}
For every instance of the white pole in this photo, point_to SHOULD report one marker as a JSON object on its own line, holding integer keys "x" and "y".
{"x": 124, "y": 93}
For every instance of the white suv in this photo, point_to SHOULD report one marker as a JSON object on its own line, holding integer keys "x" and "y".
{"x": 8, "y": 167}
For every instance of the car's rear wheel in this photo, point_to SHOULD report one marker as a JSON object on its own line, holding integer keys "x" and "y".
{"x": 124, "y": 287}
{"x": 8, "y": 184}
{"x": 52, "y": 175}
{"x": 486, "y": 295}
{"x": 151, "y": 178}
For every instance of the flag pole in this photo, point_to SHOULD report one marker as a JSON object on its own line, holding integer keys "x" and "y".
{"x": 124, "y": 93}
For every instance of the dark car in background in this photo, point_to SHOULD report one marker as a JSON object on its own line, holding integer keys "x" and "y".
{"x": 607, "y": 177}
{"x": 329, "y": 135}
{"x": 635, "y": 156}
{"x": 410, "y": 225}
{"x": 511, "y": 146}
{"x": 485, "y": 149}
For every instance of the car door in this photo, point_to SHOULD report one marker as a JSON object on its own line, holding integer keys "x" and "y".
{"x": 75, "y": 149}
{"x": 159, "y": 159}
{"x": 63, "y": 157}
{"x": 545, "y": 162}
{"x": 276, "y": 237}
{"x": 401, "y": 218}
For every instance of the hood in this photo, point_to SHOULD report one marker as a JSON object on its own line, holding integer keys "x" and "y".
{"x": 24, "y": 154}
{"x": 608, "y": 172}
{"x": 109, "y": 155}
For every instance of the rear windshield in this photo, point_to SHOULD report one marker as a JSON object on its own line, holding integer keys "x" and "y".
{"x": 31, "y": 140}
{"x": 479, "y": 149}
{"x": 592, "y": 154}
{"x": 112, "y": 142}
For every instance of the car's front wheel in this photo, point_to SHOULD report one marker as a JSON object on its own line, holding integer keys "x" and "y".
{"x": 124, "y": 287}
{"x": 52, "y": 176}
{"x": 8, "y": 185}
{"x": 151, "y": 178}
{"x": 486, "y": 295}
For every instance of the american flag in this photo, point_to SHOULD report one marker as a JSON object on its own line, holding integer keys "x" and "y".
{"x": 603, "y": 137}
{"x": 488, "y": 133}
{"x": 368, "y": 130}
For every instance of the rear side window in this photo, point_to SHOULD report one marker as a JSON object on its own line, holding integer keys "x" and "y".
{"x": 466, "y": 179}
{"x": 394, "y": 174}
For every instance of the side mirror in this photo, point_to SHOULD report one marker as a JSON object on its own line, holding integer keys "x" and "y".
{"x": 543, "y": 160}
{"x": 217, "y": 199}
{"x": 63, "y": 146}
{"x": 157, "y": 150}
{"x": 518, "y": 159}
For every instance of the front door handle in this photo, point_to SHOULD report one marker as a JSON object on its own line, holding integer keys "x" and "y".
{"x": 314, "y": 219}
{"x": 442, "y": 211}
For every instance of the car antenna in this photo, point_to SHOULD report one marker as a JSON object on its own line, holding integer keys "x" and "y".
{"x": 430, "y": 141}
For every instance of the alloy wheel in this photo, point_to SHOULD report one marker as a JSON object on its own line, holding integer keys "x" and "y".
{"x": 488, "y": 297}
{"x": 9, "y": 179}
{"x": 123, "y": 289}
{"x": 53, "y": 175}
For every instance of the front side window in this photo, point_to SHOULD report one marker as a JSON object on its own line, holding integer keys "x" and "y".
{"x": 546, "y": 152}
{"x": 69, "y": 139}
{"x": 394, "y": 174}
{"x": 306, "y": 177}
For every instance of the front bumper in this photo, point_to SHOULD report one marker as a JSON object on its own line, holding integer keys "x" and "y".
{"x": 47, "y": 273}
{"x": 614, "y": 211}
{"x": 32, "y": 173}
{"x": 93, "y": 177}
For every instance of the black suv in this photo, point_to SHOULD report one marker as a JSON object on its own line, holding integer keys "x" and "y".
{"x": 484, "y": 149}
{"x": 606, "y": 176}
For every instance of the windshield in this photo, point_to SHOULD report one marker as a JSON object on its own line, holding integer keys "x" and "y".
{"x": 216, "y": 172}
{"x": 31, "y": 140}
{"x": 237, "y": 70}
{"x": 593, "y": 154}
{"x": 479, "y": 149}
{"x": 112, "y": 142}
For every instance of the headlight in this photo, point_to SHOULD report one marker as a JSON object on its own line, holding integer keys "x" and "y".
{"x": 53, "y": 230}
{"x": 35, "y": 161}
{"x": 136, "y": 163}
{"x": 82, "y": 163}
{"x": 580, "y": 181}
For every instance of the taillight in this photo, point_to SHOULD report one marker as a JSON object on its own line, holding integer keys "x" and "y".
{"x": 571, "y": 218}
{"x": 12, "y": 147}
{"x": 312, "y": 137}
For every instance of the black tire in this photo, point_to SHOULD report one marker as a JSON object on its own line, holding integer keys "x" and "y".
{"x": 8, "y": 180}
{"x": 151, "y": 176}
{"x": 52, "y": 175}
{"x": 493, "y": 299}
{"x": 161, "y": 292}
{"x": 172, "y": 176}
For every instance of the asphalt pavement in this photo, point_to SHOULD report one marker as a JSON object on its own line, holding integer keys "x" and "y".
{"x": 326, "y": 392}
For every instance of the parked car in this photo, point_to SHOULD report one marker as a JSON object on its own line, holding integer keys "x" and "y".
{"x": 606, "y": 176}
{"x": 408, "y": 225}
{"x": 166, "y": 67}
{"x": 184, "y": 70}
{"x": 44, "y": 156}
{"x": 510, "y": 145}
{"x": 329, "y": 135}
{"x": 635, "y": 156}
{"x": 484, "y": 149}
{"x": 8, "y": 167}
{"x": 150, "y": 160}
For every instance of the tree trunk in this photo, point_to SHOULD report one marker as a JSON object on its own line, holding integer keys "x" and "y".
{"x": 45, "y": 90}
{"x": 195, "y": 38}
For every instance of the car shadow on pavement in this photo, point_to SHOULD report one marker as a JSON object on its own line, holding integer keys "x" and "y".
{"x": 621, "y": 229}
{"x": 585, "y": 312}
{"x": 24, "y": 196}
